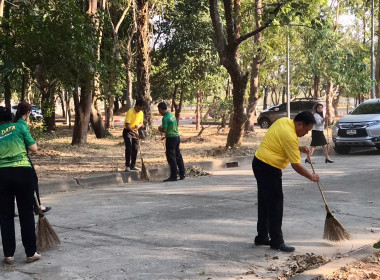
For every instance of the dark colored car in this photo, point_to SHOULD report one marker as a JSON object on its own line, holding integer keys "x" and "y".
{"x": 361, "y": 128}
{"x": 270, "y": 115}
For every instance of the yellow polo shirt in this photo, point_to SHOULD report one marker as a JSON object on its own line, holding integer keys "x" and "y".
{"x": 133, "y": 118}
{"x": 280, "y": 145}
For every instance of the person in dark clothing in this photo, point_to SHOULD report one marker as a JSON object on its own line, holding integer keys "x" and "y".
{"x": 173, "y": 153}
{"x": 16, "y": 177}
{"x": 22, "y": 115}
{"x": 279, "y": 147}
{"x": 134, "y": 119}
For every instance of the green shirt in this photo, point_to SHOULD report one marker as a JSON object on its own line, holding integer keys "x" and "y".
{"x": 169, "y": 122}
{"x": 14, "y": 139}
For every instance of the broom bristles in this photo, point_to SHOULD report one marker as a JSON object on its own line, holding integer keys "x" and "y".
{"x": 334, "y": 231}
{"x": 46, "y": 238}
{"x": 144, "y": 172}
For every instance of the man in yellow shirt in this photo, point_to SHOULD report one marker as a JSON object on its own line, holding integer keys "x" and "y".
{"x": 279, "y": 147}
{"x": 134, "y": 119}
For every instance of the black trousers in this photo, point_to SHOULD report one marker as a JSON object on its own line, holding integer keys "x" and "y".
{"x": 35, "y": 184}
{"x": 174, "y": 157}
{"x": 131, "y": 142}
{"x": 17, "y": 182}
{"x": 270, "y": 202}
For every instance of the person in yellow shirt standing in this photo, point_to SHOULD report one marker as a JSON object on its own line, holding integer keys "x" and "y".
{"x": 279, "y": 147}
{"x": 134, "y": 119}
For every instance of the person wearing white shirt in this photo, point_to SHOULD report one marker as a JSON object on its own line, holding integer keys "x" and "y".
{"x": 317, "y": 136}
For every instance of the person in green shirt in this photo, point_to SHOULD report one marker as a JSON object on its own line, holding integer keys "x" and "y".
{"x": 16, "y": 177}
{"x": 22, "y": 115}
{"x": 173, "y": 153}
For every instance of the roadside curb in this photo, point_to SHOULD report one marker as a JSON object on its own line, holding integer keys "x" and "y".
{"x": 90, "y": 182}
{"x": 335, "y": 265}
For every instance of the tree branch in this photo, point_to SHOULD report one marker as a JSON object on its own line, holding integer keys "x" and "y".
{"x": 221, "y": 42}
{"x": 265, "y": 25}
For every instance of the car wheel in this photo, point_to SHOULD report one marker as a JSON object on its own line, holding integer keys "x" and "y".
{"x": 342, "y": 149}
{"x": 265, "y": 123}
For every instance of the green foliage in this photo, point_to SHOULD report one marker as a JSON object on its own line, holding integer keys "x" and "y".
{"x": 376, "y": 245}
{"x": 56, "y": 35}
{"x": 185, "y": 55}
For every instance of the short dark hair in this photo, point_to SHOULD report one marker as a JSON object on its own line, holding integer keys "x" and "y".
{"x": 162, "y": 106}
{"x": 5, "y": 114}
{"x": 305, "y": 117}
{"x": 140, "y": 103}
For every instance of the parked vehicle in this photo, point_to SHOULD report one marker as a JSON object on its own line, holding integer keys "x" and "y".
{"x": 361, "y": 128}
{"x": 270, "y": 115}
{"x": 35, "y": 114}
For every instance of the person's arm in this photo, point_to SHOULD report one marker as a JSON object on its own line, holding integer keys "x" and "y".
{"x": 33, "y": 148}
{"x": 298, "y": 167}
{"x": 162, "y": 129}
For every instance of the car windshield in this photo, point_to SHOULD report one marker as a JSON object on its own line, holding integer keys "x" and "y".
{"x": 369, "y": 108}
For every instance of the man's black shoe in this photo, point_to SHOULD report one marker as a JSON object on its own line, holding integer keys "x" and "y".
{"x": 182, "y": 177}
{"x": 264, "y": 242}
{"x": 284, "y": 248}
{"x": 170, "y": 179}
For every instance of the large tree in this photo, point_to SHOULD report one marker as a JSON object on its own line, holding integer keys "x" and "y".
{"x": 227, "y": 42}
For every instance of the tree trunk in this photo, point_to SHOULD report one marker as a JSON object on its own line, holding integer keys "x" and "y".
{"x": 256, "y": 64}
{"x": 109, "y": 105}
{"x": 330, "y": 91}
{"x": 143, "y": 62}
{"x": 96, "y": 120}
{"x": 129, "y": 90}
{"x": 235, "y": 134}
{"x": 335, "y": 104}
{"x": 198, "y": 110}
{"x": 317, "y": 86}
{"x": 82, "y": 113}
{"x": 61, "y": 95}
{"x": 7, "y": 92}
{"x": 174, "y": 97}
{"x": 265, "y": 99}
{"x": 47, "y": 99}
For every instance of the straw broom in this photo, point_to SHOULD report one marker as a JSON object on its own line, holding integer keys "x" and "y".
{"x": 333, "y": 231}
{"x": 144, "y": 172}
{"x": 46, "y": 238}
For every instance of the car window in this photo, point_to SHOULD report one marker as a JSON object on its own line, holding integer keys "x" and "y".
{"x": 282, "y": 107}
{"x": 296, "y": 106}
{"x": 369, "y": 108}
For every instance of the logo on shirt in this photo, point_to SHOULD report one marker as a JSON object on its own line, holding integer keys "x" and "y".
{"x": 8, "y": 129}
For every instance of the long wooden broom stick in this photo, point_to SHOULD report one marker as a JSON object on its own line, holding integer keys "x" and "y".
{"x": 333, "y": 231}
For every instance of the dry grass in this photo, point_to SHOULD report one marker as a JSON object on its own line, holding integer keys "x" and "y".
{"x": 57, "y": 158}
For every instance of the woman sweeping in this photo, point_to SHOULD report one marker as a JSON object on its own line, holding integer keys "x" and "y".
{"x": 317, "y": 136}
{"x": 16, "y": 177}
{"x": 22, "y": 115}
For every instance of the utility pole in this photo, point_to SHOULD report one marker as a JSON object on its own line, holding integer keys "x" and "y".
{"x": 372, "y": 52}
{"x": 288, "y": 75}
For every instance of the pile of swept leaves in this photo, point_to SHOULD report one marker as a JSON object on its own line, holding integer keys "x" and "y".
{"x": 229, "y": 152}
{"x": 367, "y": 268}
{"x": 195, "y": 171}
{"x": 300, "y": 263}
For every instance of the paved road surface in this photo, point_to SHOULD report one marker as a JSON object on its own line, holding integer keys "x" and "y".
{"x": 201, "y": 228}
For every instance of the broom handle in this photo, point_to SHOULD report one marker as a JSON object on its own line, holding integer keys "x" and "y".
{"x": 39, "y": 206}
{"x": 319, "y": 186}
